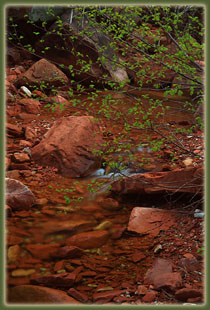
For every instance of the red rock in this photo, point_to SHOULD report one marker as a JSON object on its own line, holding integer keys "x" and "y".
{"x": 185, "y": 293}
{"x": 8, "y": 210}
{"x": 142, "y": 290}
{"x": 188, "y": 255}
{"x": 30, "y": 133}
{"x": 19, "y": 166}
{"x": 194, "y": 300}
{"x": 26, "y": 116}
{"x": 149, "y": 296}
{"x": 57, "y": 100}
{"x": 7, "y": 162}
{"x": 60, "y": 265}
{"x": 43, "y": 251}
{"x": 69, "y": 252}
{"x": 78, "y": 295}
{"x": 69, "y": 146}
{"x": 42, "y": 72}
{"x": 14, "y": 130}
{"x": 89, "y": 240}
{"x": 190, "y": 264}
{"x": 171, "y": 281}
{"x": 179, "y": 180}
{"x": 109, "y": 204}
{"x": 30, "y": 105}
{"x": 150, "y": 221}
{"x": 105, "y": 297}
{"x": 24, "y": 143}
{"x": 20, "y": 157}
{"x": 159, "y": 267}
{"x": 58, "y": 280}
{"x": 18, "y": 196}
{"x": 33, "y": 294}
{"x": 138, "y": 256}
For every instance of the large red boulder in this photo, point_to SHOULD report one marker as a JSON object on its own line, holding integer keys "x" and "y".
{"x": 71, "y": 145}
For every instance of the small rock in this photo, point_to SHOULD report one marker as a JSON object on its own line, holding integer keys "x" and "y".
{"x": 7, "y": 162}
{"x": 103, "y": 226}
{"x": 24, "y": 143}
{"x": 142, "y": 290}
{"x": 42, "y": 201}
{"x": 20, "y": 157}
{"x": 18, "y": 196}
{"x": 59, "y": 280}
{"x": 13, "y": 253}
{"x": 22, "y": 272}
{"x": 69, "y": 252}
{"x": 89, "y": 240}
{"x": 189, "y": 264}
{"x": 169, "y": 281}
{"x": 137, "y": 257}
{"x": 30, "y": 133}
{"x": 30, "y": 106}
{"x": 25, "y": 91}
{"x": 109, "y": 204}
{"x": 14, "y": 130}
{"x": 43, "y": 251}
{"x": 185, "y": 293}
{"x": 77, "y": 295}
{"x": 150, "y": 296}
{"x": 105, "y": 297}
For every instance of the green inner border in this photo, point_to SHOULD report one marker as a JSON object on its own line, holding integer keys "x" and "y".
{"x": 2, "y": 148}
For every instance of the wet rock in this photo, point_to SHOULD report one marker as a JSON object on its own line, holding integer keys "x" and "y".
{"x": 43, "y": 251}
{"x": 20, "y": 157}
{"x": 58, "y": 280}
{"x": 69, "y": 145}
{"x": 14, "y": 130}
{"x": 149, "y": 296}
{"x": 18, "y": 196}
{"x": 31, "y": 294}
{"x": 30, "y": 105}
{"x": 185, "y": 293}
{"x": 109, "y": 204}
{"x": 188, "y": 180}
{"x": 189, "y": 264}
{"x": 77, "y": 295}
{"x": 89, "y": 240}
{"x": 150, "y": 221}
{"x": 69, "y": 252}
{"x": 42, "y": 72}
{"x": 13, "y": 253}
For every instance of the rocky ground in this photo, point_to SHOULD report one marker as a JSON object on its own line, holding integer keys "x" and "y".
{"x": 68, "y": 241}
